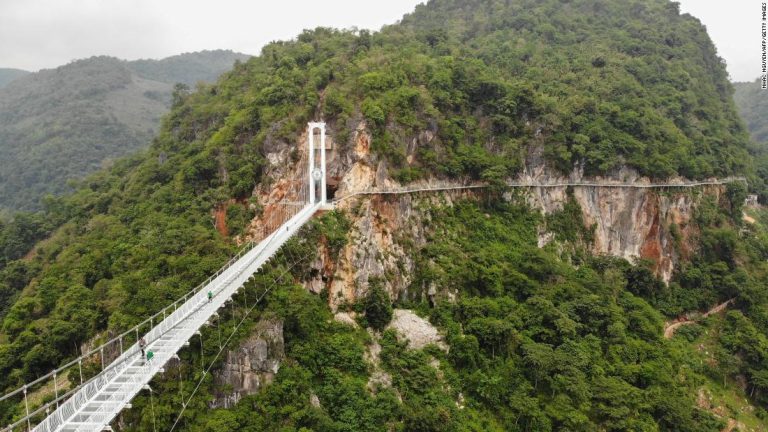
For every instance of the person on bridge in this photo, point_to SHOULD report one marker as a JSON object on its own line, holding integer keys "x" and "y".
{"x": 142, "y": 345}
{"x": 150, "y": 355}
{"x": 210, "y": 296}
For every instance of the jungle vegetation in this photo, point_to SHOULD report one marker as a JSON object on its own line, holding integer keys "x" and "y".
{"x": 550, "y": 339}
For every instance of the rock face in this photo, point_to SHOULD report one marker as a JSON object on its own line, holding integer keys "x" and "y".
{"x": 631, "y": 223}
{"x": 418, "y": 331}
{"x": 388, "y": 230}
{"x": 252, "y": 366}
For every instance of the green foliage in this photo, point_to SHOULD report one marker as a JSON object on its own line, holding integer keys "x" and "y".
{"x": 568, "y": 224}
{"x": 324, "y": 361}
{"x": 619, "y": 102}
{"x": 459, "y": 89}
{"x": 539, "y": 345}
{"x": 238, "y": 217}
{"x": 752, "y": 107}
{"x": 754, "y": 110}
{"x": 334, "y": 227}
{"x": 377, "y": 305}
{"x": 736, "y": 193}
{"x": 62, "y": 124}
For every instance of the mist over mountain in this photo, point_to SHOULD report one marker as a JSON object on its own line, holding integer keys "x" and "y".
{"x": 188, "y": 68}
{"x": 752, "y": 102}
{"x": 8, "y": 74}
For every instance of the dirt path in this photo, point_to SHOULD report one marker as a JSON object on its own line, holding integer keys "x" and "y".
{"x": 671, "y": 327}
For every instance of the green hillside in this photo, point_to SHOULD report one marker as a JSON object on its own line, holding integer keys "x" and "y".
{"x": 752, "y": 103}
{"x": 62, "y": 124}
{"x": 187, "y": 68}
{"x": 550, "y": 339}
{"x": 8, "y": 74}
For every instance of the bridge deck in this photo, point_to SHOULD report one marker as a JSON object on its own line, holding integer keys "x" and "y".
{"x": 94, "y": 406}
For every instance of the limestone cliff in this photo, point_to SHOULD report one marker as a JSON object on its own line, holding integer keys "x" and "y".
{"x": 631, "y": 223}
{"x": 253, "y": 365}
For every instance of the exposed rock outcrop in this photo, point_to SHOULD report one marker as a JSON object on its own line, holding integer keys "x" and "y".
{"x": 631, "y": 223}
{"x": 252, "y": 366}
{"x": 415, "y": 329}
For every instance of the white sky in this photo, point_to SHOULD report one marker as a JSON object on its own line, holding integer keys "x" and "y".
{"x": 37, "y": 34}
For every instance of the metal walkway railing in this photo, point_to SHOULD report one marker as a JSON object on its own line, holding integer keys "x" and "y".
{"x": 59, "y": 402}
{"x": 93, "y": 405}
{"x": 530, "y": 183}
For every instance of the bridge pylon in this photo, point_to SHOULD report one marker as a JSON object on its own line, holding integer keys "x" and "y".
{"x": 317, "y": 172}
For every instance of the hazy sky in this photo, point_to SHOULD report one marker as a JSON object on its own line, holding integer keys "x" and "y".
{"x": 37, "y": 34}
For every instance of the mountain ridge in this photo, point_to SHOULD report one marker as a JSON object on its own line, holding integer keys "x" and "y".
{"x": 64, "y": 123}
{"x": 9, "y": 74}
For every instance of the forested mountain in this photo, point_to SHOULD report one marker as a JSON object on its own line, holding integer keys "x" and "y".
{"x": 7, "y": 75}
{"x": 64, "y": 123}
{"x": 188, "y": 68}
{"x": 539, "y": 331}
{"x": 752, "y": 102}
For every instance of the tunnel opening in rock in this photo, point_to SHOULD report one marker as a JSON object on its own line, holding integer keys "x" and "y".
{"x": 331, "y": 186}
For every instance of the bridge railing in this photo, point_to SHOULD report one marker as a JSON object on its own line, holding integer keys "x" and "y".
{"x": 444, "y": 185}
{"x": 111, "y": 356}
{"x": 192, "y": 302}
{"x": 116, "y": 344}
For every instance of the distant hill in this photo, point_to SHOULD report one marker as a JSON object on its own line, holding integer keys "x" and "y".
{"x": 8, "y": 74}
{"x": 752, "y": 103}
{"x": 187, "y": 68}
{"x": 64, "y": 123}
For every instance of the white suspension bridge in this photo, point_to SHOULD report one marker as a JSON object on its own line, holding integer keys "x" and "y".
{"x": 93, "y": 403}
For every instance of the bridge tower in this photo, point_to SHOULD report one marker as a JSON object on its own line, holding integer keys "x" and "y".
{"x": 317, "y": 173}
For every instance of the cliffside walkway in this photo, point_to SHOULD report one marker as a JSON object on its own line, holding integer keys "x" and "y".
{"x": 55, "y": 402}
{"x": 449, "y": 186}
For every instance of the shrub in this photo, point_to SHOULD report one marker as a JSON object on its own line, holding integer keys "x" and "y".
{"x": 377, "y": 305}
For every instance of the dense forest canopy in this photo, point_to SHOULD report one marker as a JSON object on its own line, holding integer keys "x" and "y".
{"x": 613, "y": 82}
{"x": 540, "y": 339}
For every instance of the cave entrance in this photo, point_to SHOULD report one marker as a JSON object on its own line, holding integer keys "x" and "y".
{"x": 331, "y": 186}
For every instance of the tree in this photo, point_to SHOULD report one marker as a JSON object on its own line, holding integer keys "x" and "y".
{"x": 377, "y": 305}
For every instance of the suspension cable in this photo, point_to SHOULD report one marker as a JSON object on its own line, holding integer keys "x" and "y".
{"x": 226, "y": 342}
{"x": 152, "y": 405}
